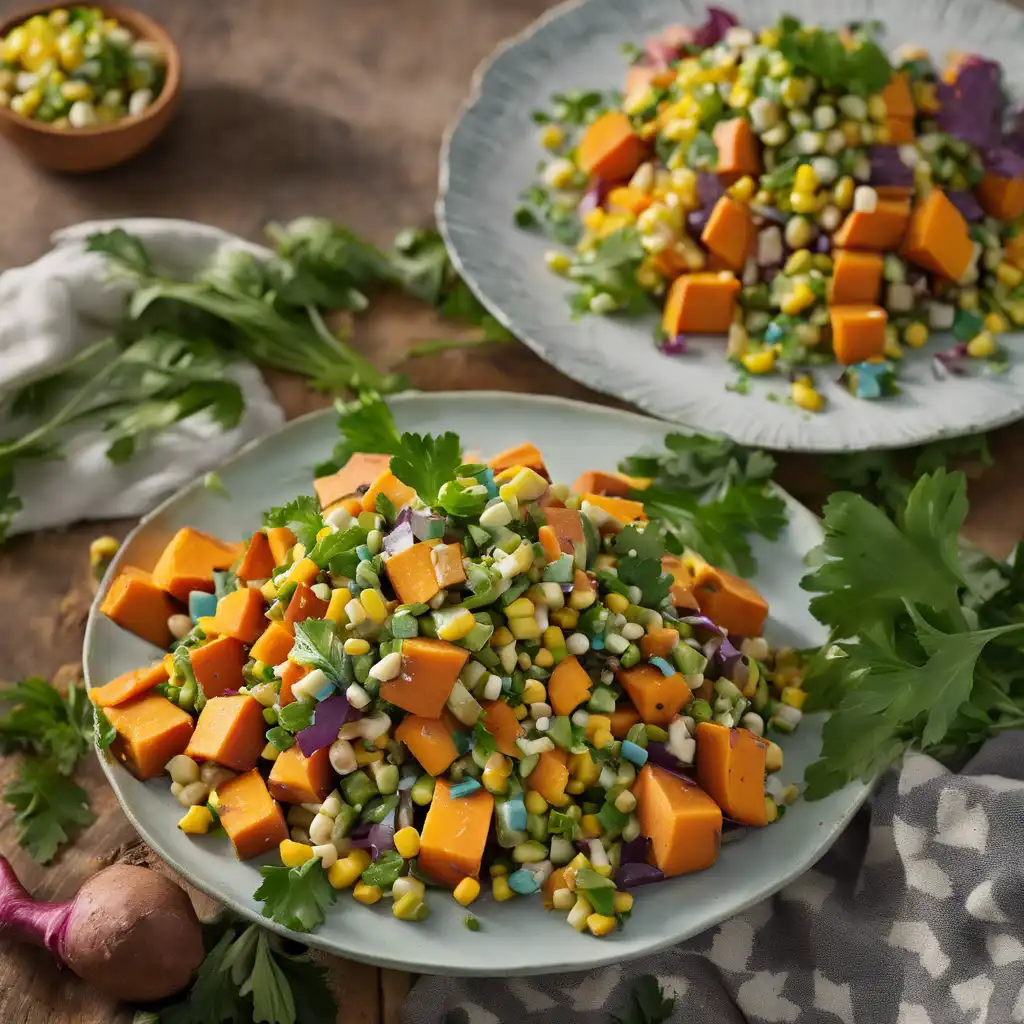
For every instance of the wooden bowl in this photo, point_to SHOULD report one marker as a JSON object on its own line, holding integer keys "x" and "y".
{"x": 79, "y": 150}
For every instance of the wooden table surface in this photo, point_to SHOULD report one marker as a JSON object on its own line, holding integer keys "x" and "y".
{"x": 329, "y": 107}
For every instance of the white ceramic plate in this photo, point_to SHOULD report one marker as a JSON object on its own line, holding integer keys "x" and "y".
{"x": 516, "y": 937}
{"x": 490, "y": 155}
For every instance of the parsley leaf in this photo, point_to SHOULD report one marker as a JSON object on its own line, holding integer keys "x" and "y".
{"x": 47, "y": 808}
{"x": 42, "y": 722}
{"x": 864, "y": 69}
{"x": 301, "y": 516}
{"x": 296, "y": 897}
{"x": 645, "y": 543}
{"x": 366, "y": 425}
{"x": 272, "y": 999}
{"x": 105, "y": 732}
{"x": 318, "y": 644}
{"x": 646, "y": 574}
{"x": 385, "y": 870}
{"x": 426, "y": 463}
{"x": 483, "y": 738}
{"x": 296, "y": 716}
{"x": 335, "y": 544}
{"x": 648, "y": 1003}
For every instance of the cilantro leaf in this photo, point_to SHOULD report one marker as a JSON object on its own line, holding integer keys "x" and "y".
{"x": 648, "y": 1003}
{"x": 335, "y": 544}
{"x": 272, "y": 999}
{"x": 646, "y": 574}
{"x": 301, "y": 516}
{"x": 863, "y": 69}
{"x": 318, "y": 644}
{"x": 296, "y": 897}
{"x": 308, "y": 981}
{"x": 296, "y": 716}
{"x": 105, "y": 732}
{"x": 42, "y": 722}
{"x": 645, "y": 543}
{"x": 461, "y": 501}
{"x": 224, "y": 582}
{"x": 426, "y": 463}
{"x": 47, "y": 808}
{"x": 385, "y": 870}
{"x": 213, "y": 997}
{"x": 483, "y": 738}
{"x": 366, "y": 425}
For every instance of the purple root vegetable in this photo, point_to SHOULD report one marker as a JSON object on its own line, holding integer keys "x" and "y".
{"x": 129, "y": 932}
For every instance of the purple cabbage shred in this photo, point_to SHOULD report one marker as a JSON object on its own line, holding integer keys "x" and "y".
{"x": 328, "y": 717}
{"x": 713, "y": 30}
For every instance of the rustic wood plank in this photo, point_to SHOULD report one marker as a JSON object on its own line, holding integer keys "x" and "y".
{"x": 394, "y": 987}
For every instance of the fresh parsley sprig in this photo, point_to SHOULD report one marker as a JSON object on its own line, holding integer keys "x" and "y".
{"x": 296, "y": 897}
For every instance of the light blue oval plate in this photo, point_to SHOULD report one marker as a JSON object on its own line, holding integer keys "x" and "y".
{"x": 489, "y": 157}
{"x": 518, "y": 937}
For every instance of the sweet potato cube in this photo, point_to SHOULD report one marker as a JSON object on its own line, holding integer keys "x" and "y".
{"x": 230, "y": 731}
{"x": 659, "y": 643}
{"x": 683, "y": 823}
{"x": 189, "y": 561}
{"x": 412, "y": 574}
{"x": 616, "y": 485}
{"x": 281, "y": 541}
{"x": 623, "y": 718}
{"x": 251, "y": 817}
{"x": 682, "y": 581}
{"x": 150, "y": 731}
{"x": 297, "y": 779}
{"x": 303, "y": 605}
{"x": 622, "y": 510}
{"x": 550, "y": 777}
{"x": 501, "y": 722}
{"x": 730, "y": 769}
{"x": 454, "y": 834}
{"x": 567, "y": 526}
{"x": 858, "y": 332}
{"x": 447, "y": 559}
{"x": 701, "y": 303}
{"x": 628, "y": 200}
{"x": 391, "y": 487}
{"x": 899, "y": 101}
{"x": 137, "y": 604}
{"x": 881, "y": 230}
{"x": 429, "y": 670}
{"x": 360, "y": 471}
{"x": 610, "y": 147}
{"x": 901, "y": 130}
{"x": 729, "y": 601}
{"x": 274, "y": 644}
{"x": 240, "y": 614}
{"x": 429, "y": 740}
{"x": 526, "y": 455}
{"x": 129, "y": 685}
{"x": 292, "y": 673}
{"x": 258, "y": 561}
{"x": 938, "y": 239}
{"x": 739, "y": 153}
{"x": 657, "y": 697}
{"x": 218, "y": 665}
{"x": 729, "y": 233}
{"x": 856, "y": 277}
{"x": 1002, "y": 198}
{"x": 569, "y": 686}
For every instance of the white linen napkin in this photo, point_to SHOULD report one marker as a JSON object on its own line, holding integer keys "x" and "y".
{"x": 53, "y": 308}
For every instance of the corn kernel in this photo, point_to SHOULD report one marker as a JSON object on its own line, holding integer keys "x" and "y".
{"x": 600, "y": 925}
{"x": 769, "y": 37}
{"x": 806, "y": 180}
{"x": 466, "y": 891}
{"x": 372, "y": 601}
{"x": 344, "y": 873}
{"x": 595, "y": 723}
{"x": 799, "y": 262}
{"x": 968, "y": 299}
{"x": 771, "y": 809}
{"x": 553, "y": 638}
{"x": 368, "y": 894}
{"x": 495, "y": 781}
{"x": 892, "y": 349}
{"x": 794, "y": 696}
{"x": 336, "y": 608}
{"x": 743, "y": 190}
{"x": 842, "y": 194}
{"x": 616, "y": 603}
{"x": 593, "y": 219}
{"x": 502, "y": 637}
{"x": 458, "y": 626}
{"x": 409, "y": 907}
{"x": 605, "y": 870}
{"x": 196, "y": 821}
{"x": 525, "y": 628}
{"x": 500, "y": 889}
{"x": 520, "y": 711}
{"x": 407, "y": 842}
{"x": 803, "y": 202}
{"x": 804, "y": 395}
{"x": 582, "y": 598}
{"x": 602, "y": 738}
{"x": 574, "y": 787}
{"x": 982, "y": 346}
{"x": 585, "y": 768}
{"x": 294, "y": 854}
{"x": 995, "y": 323}
{"x": 759, "y": 362}
{"x": 365, "y": 757}
{"x": 622, "y": 902}
{"x": 520, "y": 608}
{"x": 1009, "y": 275}
{"x": 798, "y": 299}
{"x": 552, "y": 137}
{"x": 915, "y": 335}
{"x": 355, "y": 646}
{"x": 269, "y": 591}
{"x": 558, "y": 262}
{"x": 590, "y": 826}
{"x": 535, "y": 803}
{"x": 497, "y": 869}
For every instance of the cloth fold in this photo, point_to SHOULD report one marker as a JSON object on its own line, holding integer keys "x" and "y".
{"x": 64, "y": 301}
{"x": 914, "y": 917}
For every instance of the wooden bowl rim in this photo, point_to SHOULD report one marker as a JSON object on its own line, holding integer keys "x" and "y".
{"x": 145, "y": 28}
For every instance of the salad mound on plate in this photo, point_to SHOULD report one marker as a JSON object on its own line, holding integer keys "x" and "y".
{"x": 798, "y": 193}
{"x": 436, "y": 672}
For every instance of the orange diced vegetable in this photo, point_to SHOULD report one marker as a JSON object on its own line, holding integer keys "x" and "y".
{"x": 682, "y": 585}
{"x": 129, "y": 685}
{"x": 1013, "y": 250}
{"x": 429, "y": 670}
{"x": 550, "y": 777}
{"x": 730, "y": 769}
{"x": 657, "y": 697}
{"x": 659, "y": 643}
{"x": 274, "y": 645}
{"x": 729, "y": 601}
{"x": 281, "y": 541}
{"x": 447, "y": 559}
{"x": 856, "y": 277}
{"x": 526, "y": 455}
{"x": 360, "y": 471}
{"x": 218, "y": 665}
{"x": 290, "y": 675}
{"x": 391, "y": 487}
{"x": 189, "y": 561}
{"x": 938, "y": 239}
{"x": 858, "y": 332}
{"x": 412, "y": 574}
{"x": 900, "y": 193}
{"x": 569, "y": 686}
{"x": 629, "y": 200}
{"x": 258, "y": 561}
{"x": 622, "y": 510}
{"x": 229, "y": 732}
{"x": 303, "y": 605}
{"x": 567, "y": 525}
{"x": 882, "y": 230}
{"x": 548, "y": 540}
{"x": 1002, "y": 198}
{"x": 150, "y": 731}
{"x": 454, "y": 834}
{"x": 610, "y": 148}
{"x": 901, "y": 130}
{"x": 701, "y": 303}
{"x": 501, "y": 722}
{"x": 251, "y": 817}
{"x": 729, "y": 233}
{"x": 684, "y": 824}
{"x": 623, "y": 718}
{"x": 639, "y": 77}
{"x": 429, "y": 740}
{"x": 135, "y": 603}
{"x": 240, "y": 614}
{"x": 297, "y": 779}
{"x": 617, "y": 485}
{"x": 899, "y": 101}
{"x": 738, "y": 150}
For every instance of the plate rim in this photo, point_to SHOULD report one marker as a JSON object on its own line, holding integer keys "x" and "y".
{"x": 580, "y": 372}
{"x": 605, "y": 954}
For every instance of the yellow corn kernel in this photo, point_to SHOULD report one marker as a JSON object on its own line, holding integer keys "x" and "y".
{"x": 799, "y": 262}
{"x": 527, "y": 484}
{"x": 520, "y": 608}
{"x": 892, "y": 349}
{"x": 585, "y": 768}
{"x": 196, "y": 821}
{"x": 590, "y": 826}
{"x": 595, "y": 723}
{"x": 294, "y": 854}
{"x": 740, "y": 96}
{"x": 605, "y": 870}
{"x": 574, "y": 787}
{"x": 27, "y": 103}
{"x": 344, "y": 872}
{"x": 552, "y": 137}
{"x": 851, "y": 132}
{"x": 466, "y": 891}
{"x": 368, "y": 894}
{"x": 461, "y": 623}
{"x": 269, "y": 591}
{"x": 553, "y": 638}
{"x": 407, "y": 842}
{"x": 798, "y": 299}
{"x": 769, "y": 37}
{"x": 501, "y": 637}
{"x": 365, "y": 757}
{"x": 535, "y": 803}
{"x": 373, "y": 603}
{"x": 771, "y": 809}
{"x": 534, "y": 691}
{"x": 360, "y": 858}
{"x": 500, "y": 889}
{"x": 616, "y": 603}
{"x": 995, "y": 323}
{"x": 582, "y": 598}
{"x": 565, "y": 618}
{"x": 915, "y": 335}
{"x": 806, "y": 180}
{"x": 355, "y": 646}
{"x": 15, "y": 44}
{"x": 408, "y": 907}
{"x": 102, "y": 549}
{"x": 794, "y": 696}
{"x": 743, "y": 190}
{"x": 593, "y": 219}
{"x": 1009, "y": 275}
{"x": 842, "y": 194}
{"x": 600, "y": 925}
{"x": 497, "y": 869}
{"x": 759, "y": 362}
{"x": 882, "y": 135}
{"x": 803, "y": 202}
{"x": 381, "y": 742}
{"x": 495, "y": 781}
{"x": 305, "y": 570}
{"x": 968, "y": 299}
{"x": 557, "y": 263}
{"x": 804, "y": 395}
{"x": 525, "y": 628}
{"x": 336, "y": 608}
{"x": 75, "y": 91}
{"x": 982, "y": 346}
{"x": 602, "y": 738}
{"x": 622, "y": 902}
{"x": 680, "y": 130}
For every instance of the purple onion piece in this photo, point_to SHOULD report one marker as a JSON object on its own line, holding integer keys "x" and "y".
{"x": 771, "y": 213}
{"x": 713, "y": 30}
{"x": 822, "y": 245}
{"x": 659, "y": 754}
{"x": 404, "y": 817}
{"x": 1007, "y": 161}
{"x": 629, "y": 876}
{"x": 709, "y": 189}
{"x": 229, "y": 693}
{"x": 399, "y": 539}
{"x": 635, "y": 851}
{"x": 969, "y": 207}
{"x": 567, "y": 588}
{"x": 887, "y": 168}
{"x": 702, "y": 622}
{"x": 595, "y": 196}
{"x": 330, "y": 715}
{"x": 674, "y": 346}
{"x": 971, "y": 107}
{"x": 733, "y": 832}
{"x": 376, "y": 838}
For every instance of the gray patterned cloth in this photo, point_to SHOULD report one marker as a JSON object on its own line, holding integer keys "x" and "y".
{"x": 916, "y": 916}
